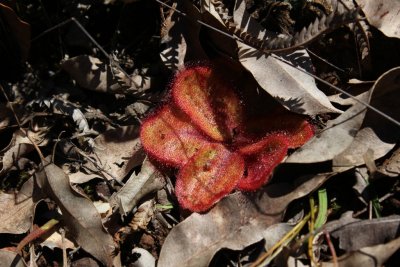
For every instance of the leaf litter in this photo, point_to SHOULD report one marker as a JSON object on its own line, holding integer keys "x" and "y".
{"x": 86, "y": 113}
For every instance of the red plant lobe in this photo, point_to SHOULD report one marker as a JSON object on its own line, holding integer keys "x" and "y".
{"x": 261, "y": 158}
{"x": 214, "y": 142}
{"x": 210, "y": 174}
{"x": 297, "y": 129}
{"x": 168, "y": 137}
{"x": 209, "y": 101}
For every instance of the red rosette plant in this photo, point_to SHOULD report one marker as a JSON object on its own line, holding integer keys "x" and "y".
{"x": 206, "y": 133}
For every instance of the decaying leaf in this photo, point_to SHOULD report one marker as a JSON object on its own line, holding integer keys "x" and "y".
{"x": 55, "y": 240}
{"x": 334, "y": 138}
{"x": 143, "y": 215}
{"x": 93, "y": 74}
{"x": 382, "y": 14}
{"x": 376, "y": 134}
{"x": 117, "y": 151}
{"x": 370, "y": 256}
{"x": 354, "y": 234}
{"x": 181, "y": 37}
{"x": 80, "y": 216}
{"x": 194, "y": 241}
{"x": 10, "y": 258}
{"x": 364, "y": 241}
{"x": 65, "y": 107}
{"x": 293, "y": 89}
{"x": 148, "y": 180}
{"x": 173, "y": 55}
{"x": 391, "y": 166}
{"x": 342, "y": 140}
{"x": 5, "y": 116}
{"x": 18, "y": 147}
{"x": 16, "y": 215}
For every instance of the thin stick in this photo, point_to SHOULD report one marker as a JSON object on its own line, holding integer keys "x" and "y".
{"x": 325, "y": 61}
{"x": 64, "y": 249}
{"x": 332, "y": 249}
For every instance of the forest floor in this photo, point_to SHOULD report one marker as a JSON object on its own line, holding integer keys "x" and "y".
{"x": 92, "y": 174}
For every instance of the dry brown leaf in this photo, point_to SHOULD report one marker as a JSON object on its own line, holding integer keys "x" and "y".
{"x": 234, "y": 223}
{"x": 55, "y": 241}
{"x": 391, "y": 166}
{"x": 376, "y": 134}
{"x": 143, "y": 215}
{"x": 19, "y": 146}
{"x": 148, "y": 180}
{"x": 382, "y": 14}
{"x": 174, "y": 53}
{"x": 80, "y": 216}
{"x": 182, "y": 38}
{"x": 337, "y": 135}
{"x": 93, "y": 74}
{"x": 368, "y": 256}
{"x": 294, "y": 89}
{"x": 117, "y": 151}
{"x": 355, "y": 233}
{"x": 5, "y": 116}
{"x": 15, "y": 216}
{"x": 9, "y": 258}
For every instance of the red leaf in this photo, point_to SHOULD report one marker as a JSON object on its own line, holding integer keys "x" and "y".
{"x": 209, "y": 101}
{"x": 212, "y": 173}
{"x": 261, "y": 158}
{"x": 168, "y": 137}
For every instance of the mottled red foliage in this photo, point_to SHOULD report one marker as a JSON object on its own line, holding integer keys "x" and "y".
{"x": 205, "y": 133}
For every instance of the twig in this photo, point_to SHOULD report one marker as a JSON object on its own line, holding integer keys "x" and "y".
{"x": 332, "y": 249}
{"x": 64, "y": 249}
